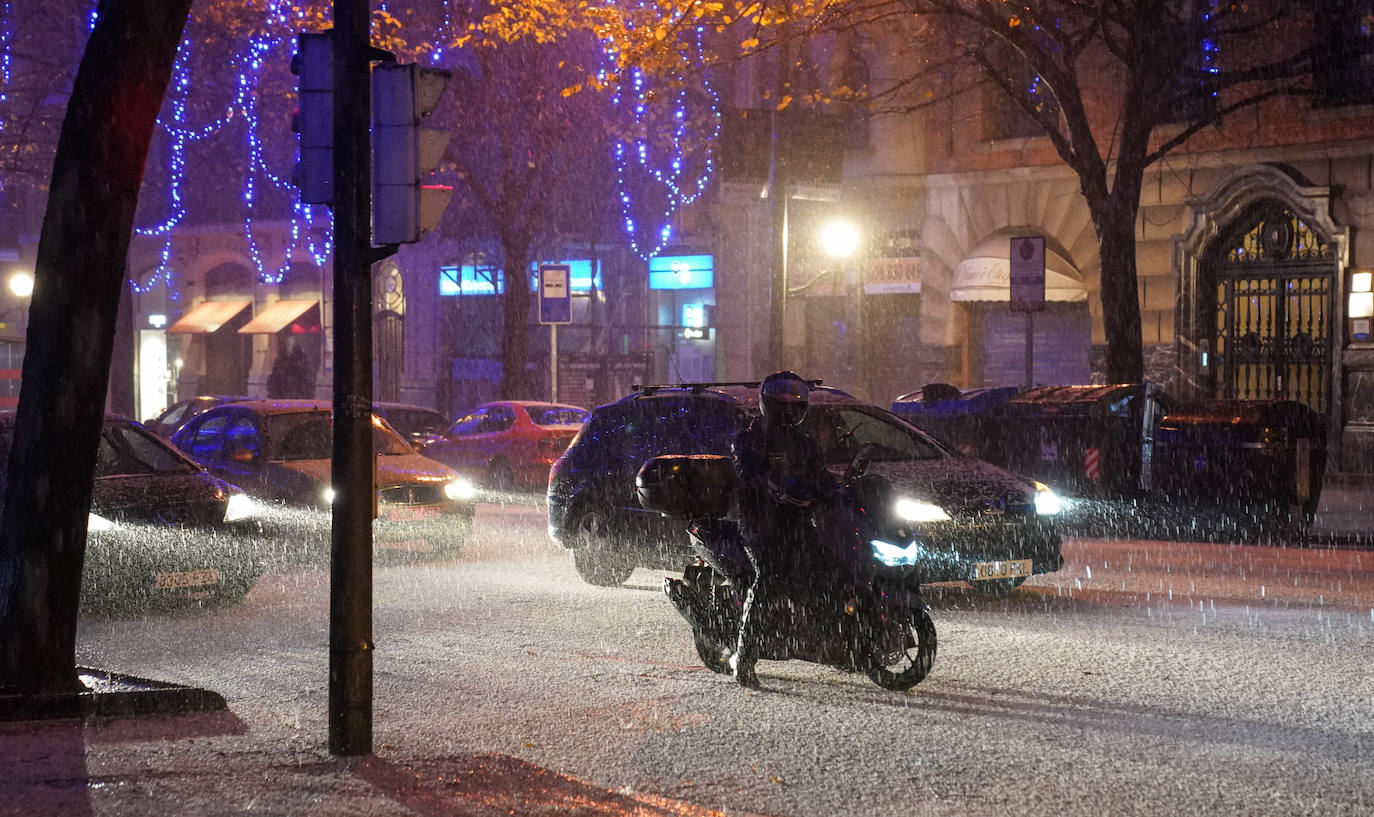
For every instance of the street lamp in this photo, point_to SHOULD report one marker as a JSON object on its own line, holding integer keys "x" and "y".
{"x": 21, "y": 284}
{"x": 839, "y": 239}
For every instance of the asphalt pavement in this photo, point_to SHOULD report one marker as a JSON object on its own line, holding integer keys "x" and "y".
{"x": 253, "y": 759}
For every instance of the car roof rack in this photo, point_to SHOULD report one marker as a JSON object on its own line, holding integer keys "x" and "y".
{"x": 697, "y": 388}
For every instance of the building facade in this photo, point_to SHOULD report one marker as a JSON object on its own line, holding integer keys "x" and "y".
{"x": 1253, "y": 253}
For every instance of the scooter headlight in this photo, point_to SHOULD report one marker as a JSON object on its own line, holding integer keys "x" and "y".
{"x": 914, "y": 510}
{"x": 1047, "y": 502}
{"x": 894, "y": 555}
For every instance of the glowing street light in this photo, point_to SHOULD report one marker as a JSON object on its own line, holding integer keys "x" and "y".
{"x": 839, "y": 239}
{"x": 21, "y": 284}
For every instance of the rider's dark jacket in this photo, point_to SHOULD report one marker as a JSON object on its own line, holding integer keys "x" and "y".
{"x": 779, "y": 534}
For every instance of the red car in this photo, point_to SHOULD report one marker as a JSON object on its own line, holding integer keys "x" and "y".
{"x": 511, "y": 442}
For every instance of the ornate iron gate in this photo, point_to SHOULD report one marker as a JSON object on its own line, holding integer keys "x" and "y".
{"x": 1273, "y": 284}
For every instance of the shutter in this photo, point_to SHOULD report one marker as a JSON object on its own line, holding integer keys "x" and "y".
{"x": 1063, "y": 341}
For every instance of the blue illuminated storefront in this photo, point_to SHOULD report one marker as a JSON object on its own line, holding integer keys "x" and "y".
{"x": 682, "y": 297}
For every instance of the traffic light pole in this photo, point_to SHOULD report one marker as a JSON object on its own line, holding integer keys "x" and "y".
{"x": 350, "y": 589}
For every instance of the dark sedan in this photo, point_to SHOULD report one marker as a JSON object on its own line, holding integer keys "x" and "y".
{"x": 418, "y": 424}
{"x": 161, "y": 529}
{"x": 280, "y": 450}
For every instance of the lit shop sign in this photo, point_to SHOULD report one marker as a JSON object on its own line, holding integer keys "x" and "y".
{"x": 489, "y": 280}
{"x": 696, "y": 321}
{"x": 682, "y": 272}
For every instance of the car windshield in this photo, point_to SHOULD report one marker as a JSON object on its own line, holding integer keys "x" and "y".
{"x": 309, "y": 436}
{"x": 126, "y": 450}
{"x": 558, "y": 415}
{"x": 842, "y": 431}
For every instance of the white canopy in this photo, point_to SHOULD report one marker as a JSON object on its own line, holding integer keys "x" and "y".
{"x": 985, "y": 274}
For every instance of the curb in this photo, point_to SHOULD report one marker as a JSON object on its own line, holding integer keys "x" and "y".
{"x": 110, "y": 695}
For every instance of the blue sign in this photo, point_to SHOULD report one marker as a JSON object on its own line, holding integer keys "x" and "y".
{"x": 682, "y": 272}
{"x": 488, "y": 280}
{"x": 555, "y": 294}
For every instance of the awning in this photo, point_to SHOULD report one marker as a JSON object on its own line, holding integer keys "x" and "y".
{"x": 282, "y": 314}
{"x": 208, "y": 317}
{"x": 985, "y": 275}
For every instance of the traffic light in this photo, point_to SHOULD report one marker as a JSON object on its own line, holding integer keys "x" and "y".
{"x": 313, "y": 63}
{"x": 403, "y": 153}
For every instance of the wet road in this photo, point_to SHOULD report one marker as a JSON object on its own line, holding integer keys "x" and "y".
{"x": 1144, "y": 678}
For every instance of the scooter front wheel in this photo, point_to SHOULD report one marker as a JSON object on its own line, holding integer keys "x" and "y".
{"x": 905, "y": 668}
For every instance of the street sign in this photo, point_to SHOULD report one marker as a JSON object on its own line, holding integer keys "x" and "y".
{"x": 1027, "y": 261}
{"x": 555, "y": 294}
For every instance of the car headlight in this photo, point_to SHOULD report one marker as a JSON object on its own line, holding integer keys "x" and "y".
{"x": 1047, "y": 502}
{"x": 328, "y": 496}
{"x": 460, "y": 489}
{"x": 96, "y": 523}
{"x": 894, "y": 556}
{"x": 914, "y": 510}
{"x": 239, "y": 508}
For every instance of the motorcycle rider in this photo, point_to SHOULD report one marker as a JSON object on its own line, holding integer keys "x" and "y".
{"x": 781, "y": 475}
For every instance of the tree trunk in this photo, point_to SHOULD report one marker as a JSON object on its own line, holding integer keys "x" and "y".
{"x": 515, "y": 342}
{"x": 79, "y": 274}
{"x": 1120, "y": 298}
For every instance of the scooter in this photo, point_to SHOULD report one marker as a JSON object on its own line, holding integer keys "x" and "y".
{"x": 859, "y": 609}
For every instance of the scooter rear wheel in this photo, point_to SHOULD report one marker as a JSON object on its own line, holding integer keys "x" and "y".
{"x": 714, "y": 655}
{"x": 904, "y": 670}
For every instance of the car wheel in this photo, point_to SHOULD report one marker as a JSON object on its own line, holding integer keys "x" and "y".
{"x": 500, "y": 477}
{"x": 997, "y": 588}
{"x": 907, "y": 668}
{"x": 594, "y": 553}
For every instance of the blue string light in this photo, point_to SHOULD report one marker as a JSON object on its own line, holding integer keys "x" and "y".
{"x": 6, "y": 53}
{"x": 679, "y": 175}
{"x": 638, "y": 166}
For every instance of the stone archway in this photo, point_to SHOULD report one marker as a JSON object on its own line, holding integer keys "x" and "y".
{"x": 1257, "y": 271}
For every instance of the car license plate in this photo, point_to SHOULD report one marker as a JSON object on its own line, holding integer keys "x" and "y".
{"x": 405, "y": 545}
{"x": 1008, "y": 569}
{"x": 185, "y": 578}
{"x": 412, "y": 513}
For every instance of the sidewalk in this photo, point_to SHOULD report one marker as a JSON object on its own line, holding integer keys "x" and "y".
{"x": 215, "y": 763}
{"x": 1346, "y": 511}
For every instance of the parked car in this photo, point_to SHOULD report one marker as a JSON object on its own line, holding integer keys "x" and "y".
{"x": 980, "y": 523}
{"x": 160, "y": 529}
{"x": 511, "y": 442}
{"x": 183, "y": 411}
{"x": 280, "y": 450}
{"x": 419, "y": 425}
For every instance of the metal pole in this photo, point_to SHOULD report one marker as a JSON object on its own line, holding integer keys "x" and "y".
{"x": 553, "y": 360}
{"x": 350, "y": 589}
{"x": 778, "y": 192}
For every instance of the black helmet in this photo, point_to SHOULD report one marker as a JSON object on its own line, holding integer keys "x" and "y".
{"x": 783, "y": 397}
